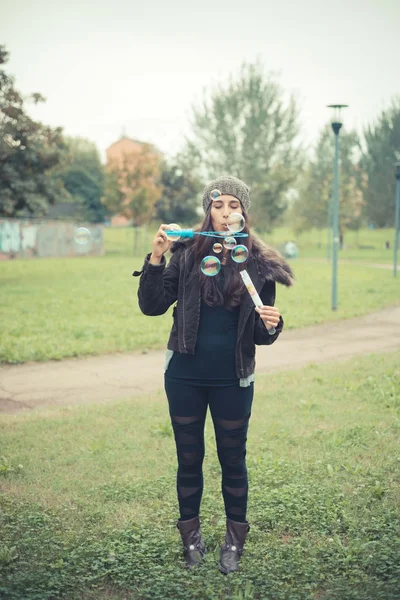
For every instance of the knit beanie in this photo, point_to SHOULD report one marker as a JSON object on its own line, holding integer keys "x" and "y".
{"x": 227, "y": 185}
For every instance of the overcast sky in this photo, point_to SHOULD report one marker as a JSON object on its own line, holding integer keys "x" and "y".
{"x": 137, "y": 67}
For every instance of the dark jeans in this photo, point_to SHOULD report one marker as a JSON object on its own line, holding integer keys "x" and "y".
{"x": 230, "y": 410}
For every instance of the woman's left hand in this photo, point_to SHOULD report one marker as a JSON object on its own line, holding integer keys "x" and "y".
{"x": 270, "y": 315}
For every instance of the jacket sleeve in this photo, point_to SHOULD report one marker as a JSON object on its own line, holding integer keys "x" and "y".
{"x": 158, "y": 285}
{"x": 261, "y": 335}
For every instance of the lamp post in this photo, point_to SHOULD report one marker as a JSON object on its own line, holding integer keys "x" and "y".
{"x": 336, "y": 126}
{"x": 329, "y": 226}
{"x": 396, "y": 218}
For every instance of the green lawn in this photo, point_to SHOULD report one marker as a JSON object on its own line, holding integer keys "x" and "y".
{"x": 87, "y": 495}
{"x": 58, "y": 308}
{"x": 365, "y": 245}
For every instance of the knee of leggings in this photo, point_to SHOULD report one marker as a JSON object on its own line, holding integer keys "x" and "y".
{"x": 233, "y": 465}
{"x": 189, "y": 439}
{"x": 231, "y": 446}
{"x": 190, "y": 462}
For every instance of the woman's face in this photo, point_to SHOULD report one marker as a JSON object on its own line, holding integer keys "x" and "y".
{"x": 221, "y": 208}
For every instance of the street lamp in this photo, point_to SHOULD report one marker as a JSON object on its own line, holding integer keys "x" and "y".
{"x": 330, "y": 226}
{"x": 396, "y": 218}
{"x": 336, "y": 126}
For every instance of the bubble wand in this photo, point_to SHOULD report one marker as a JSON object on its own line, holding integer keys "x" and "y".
{"x": 176, "y": 234}
{"x": 235, "y": 224}
{"x": 254, "y": 295}
{"x": 211, "y": 265}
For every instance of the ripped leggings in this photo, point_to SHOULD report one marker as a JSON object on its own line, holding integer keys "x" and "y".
{"x": 230, "y": 409}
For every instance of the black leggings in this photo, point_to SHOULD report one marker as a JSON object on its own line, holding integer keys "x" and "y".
{"x": 230, "y": 409}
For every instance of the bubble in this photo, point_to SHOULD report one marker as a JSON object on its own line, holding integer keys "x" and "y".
{"x": 240, "y": 253}
{"x": 217, "y": 248}
{"x": 173, "y": 237}
{"x": 215, "y": 194}
{"x": 229, "y": 243}
{"x": 210, "y": 266}
{"x": 82, "y": 235}
{"x": 236, "y": 222}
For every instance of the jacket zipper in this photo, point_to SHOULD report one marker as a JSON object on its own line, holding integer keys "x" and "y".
{"x": 240, "y": 356}
{"x": 183, "y": 307}
{"x": 184, "y": 303}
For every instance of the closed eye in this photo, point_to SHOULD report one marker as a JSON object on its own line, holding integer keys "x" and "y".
{"x": 234, "y": 206}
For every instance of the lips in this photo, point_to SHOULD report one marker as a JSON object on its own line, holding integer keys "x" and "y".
{"x": 225, "y": 229}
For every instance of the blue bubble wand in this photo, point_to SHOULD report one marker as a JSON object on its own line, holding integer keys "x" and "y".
{"x": 211, "y": 265}
{"x": 190, "y": 233}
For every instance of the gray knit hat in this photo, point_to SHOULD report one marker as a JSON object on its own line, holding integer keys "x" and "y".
{"x": 227, "y": 185}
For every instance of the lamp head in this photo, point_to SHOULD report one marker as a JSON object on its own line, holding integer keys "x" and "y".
{"x": 337, "y": 119}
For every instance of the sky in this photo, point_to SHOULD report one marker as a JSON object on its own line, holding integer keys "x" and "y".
{"x": 137, "y": 68}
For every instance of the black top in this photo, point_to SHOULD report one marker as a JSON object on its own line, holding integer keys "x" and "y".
{"x": 213, "y": 361}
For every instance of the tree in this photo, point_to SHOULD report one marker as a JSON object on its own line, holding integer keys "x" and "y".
{"x": 311, "y": 209}
{"x": 82, "y": 175}
{"x": 248, "y": 129}
{"x": 180, "y": 196}
{"x": 132, "y": 187}
{"x": 113, "y": 195}
{"x": 382, "y": 148}
{"x": 29, "y": 152}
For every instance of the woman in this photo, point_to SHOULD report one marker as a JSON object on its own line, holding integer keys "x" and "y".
{"x": 210, "y": 357}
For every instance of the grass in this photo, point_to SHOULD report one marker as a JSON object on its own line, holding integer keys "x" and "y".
{"x": 365, "y": 245}
{"x": 60, "y": 308}
{"x": 88, "y": 505}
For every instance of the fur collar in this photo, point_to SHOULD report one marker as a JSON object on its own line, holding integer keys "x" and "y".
{"x": 270, "y": 262}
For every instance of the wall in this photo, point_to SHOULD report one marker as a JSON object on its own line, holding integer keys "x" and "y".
{"x": 39, "y": 239}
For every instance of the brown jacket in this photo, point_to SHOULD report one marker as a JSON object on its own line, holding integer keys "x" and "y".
{"x": 161, "y": 285}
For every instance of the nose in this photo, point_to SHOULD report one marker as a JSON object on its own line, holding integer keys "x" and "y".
{"x": 226, "y": 212}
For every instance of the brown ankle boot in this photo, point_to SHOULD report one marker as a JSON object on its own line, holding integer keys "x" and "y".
{"x": 232, "y": 549}
{"x": 194, "y": 546}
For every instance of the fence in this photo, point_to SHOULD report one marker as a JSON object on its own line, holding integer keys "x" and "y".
{"x": 26, "y": 238}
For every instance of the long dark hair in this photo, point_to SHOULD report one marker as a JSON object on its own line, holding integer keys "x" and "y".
{"x": 213, "y": 293}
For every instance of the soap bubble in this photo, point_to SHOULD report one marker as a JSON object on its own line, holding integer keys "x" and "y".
{"x": 236, "y": 222}
{"x": 82, "y": 235}
{"x": 173, "y": 237}
{"x": 215, "y": 194}
{"x": 229, "y": 243}
{"x": 217, "y": 248}
{"x": 210, "y": 266}
{"x": 240, "y": 253}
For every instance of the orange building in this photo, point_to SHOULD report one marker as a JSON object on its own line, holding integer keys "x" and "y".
{"x": 115, "y": 155}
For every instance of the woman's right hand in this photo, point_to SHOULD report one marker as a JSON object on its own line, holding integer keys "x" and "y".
{"x": 160, "y": 245}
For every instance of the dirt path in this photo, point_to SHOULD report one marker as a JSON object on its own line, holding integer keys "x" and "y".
{"x": 104, "y": 378}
